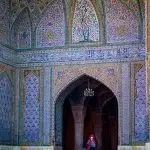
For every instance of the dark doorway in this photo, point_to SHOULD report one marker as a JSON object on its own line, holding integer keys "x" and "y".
{"x": 103, "y": 100}
{"x": 88, "y": 125}
{"x": 68, "y": 127}
{"x": 101, "y": 118}
{"x": 110, "y": 125}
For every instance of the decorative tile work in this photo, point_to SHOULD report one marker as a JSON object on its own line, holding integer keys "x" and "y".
{"x": 70, "y": 74}
{"x": 21, "y": 31}
{"x": 16, "y": 7}
{"x": 124, "y": 31}
{"x": 85, "y": 23}
{"x": 41, "y": 5}
{"x": 51, "y": 30}
{"x": 148, "y": 91}
{"x": 135, "y": 67}
{"x": 16, "y": 107}
{"x": 31, "y": 109}
{"x": 5, "y": 109}
{"x": 97, "y": 71}
{"x": 58, "y": 123}
{"x": 140, "y": 106}
{"x": 82, "y": 55}
{"x": 143, "y": 20}
{"x": 36, "y": 7}
{"x": 132, "y": 4}
{"x": 7, "y": 55}
{"x": 121, "y": 23}
{"x": 4, "y": 21}
{"x": 1, "y": 67}
{"x": 142, "y": 3}
{"x": 47, "y": 105}
{"x": 125, "y": 103}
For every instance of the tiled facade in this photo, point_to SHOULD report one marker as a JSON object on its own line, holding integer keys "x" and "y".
{"x": 4, "y": 21}
{"x": 6, "y": 100}
{"x": 42, "y": 52}
{"x": 141, "y": 131}
{"x": 51, "y": 29}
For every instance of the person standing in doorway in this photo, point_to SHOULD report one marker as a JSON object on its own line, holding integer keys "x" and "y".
{"x": 91, "y": 144}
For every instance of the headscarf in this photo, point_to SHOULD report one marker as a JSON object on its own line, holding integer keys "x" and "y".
{"x": 89, "y": 140}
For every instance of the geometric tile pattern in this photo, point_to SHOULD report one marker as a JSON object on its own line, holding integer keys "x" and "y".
{"x": 121, "y": 26}
{"x": 66, "y": 75}
{"x": 125, "y": 103}
{"x": 140, "y": 106}
{"x": 4, "y": 21}
{"x": 34, "y": 6}
{"x": 31, "y": 109}
{"x": 121, "y": 23}
{"x": 85, "y": 22}
{"x": 58, "y": 123}
{"x": 132, "y": 4}
{"x": 51, "y": 29}
{"x": 121, "y": 20}
{"x": 21, "y": 31}
{"x": 46, "y": 105}
{"x": 80, "y": 55}
{"x": 5, "y": 109}
{"x": 16, "y": 7}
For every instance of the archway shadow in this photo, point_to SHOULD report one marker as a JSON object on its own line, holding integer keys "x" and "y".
{"x": 73, "y": 94}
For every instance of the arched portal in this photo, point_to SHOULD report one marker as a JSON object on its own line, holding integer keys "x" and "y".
{"x": 95, "y": 109}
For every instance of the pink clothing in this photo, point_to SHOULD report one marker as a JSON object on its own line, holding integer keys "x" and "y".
{"x": 91, "y": 142}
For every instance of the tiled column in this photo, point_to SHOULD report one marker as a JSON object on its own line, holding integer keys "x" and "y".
{"x": 125, "y": 103}
{"x": 46, "y": 105}
{"x": 97, "y": 117}
{"x": 78, "y": 113}
{"x": 17, "y": 90}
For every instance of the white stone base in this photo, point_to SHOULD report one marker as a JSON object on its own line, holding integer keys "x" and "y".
{"x": 132, "y": 148}
{"x": 30, "y": 147}
{"x": 120, "y": 147}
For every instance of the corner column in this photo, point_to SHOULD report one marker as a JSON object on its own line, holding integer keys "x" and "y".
{"x": 125, "y": 107}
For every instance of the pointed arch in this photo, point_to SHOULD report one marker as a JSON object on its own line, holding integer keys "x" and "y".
{"x": 85, "y": 22}
{"x": 21, "y": 31}
{"x": 58, "y": 104}
{"x": 74, "y": 82}
{"x": 16, "y": 8}
{"x": 121, "y": 23}
{"x": 51, "y": 31}
{"x": 100, "y": 78}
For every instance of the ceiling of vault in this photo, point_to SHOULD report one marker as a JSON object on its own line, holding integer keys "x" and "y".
{"x": 25, "y": 20}
{"x": 38, "y": 7}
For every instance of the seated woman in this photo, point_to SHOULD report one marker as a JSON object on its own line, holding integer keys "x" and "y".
{"x": 91, "y": 144}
